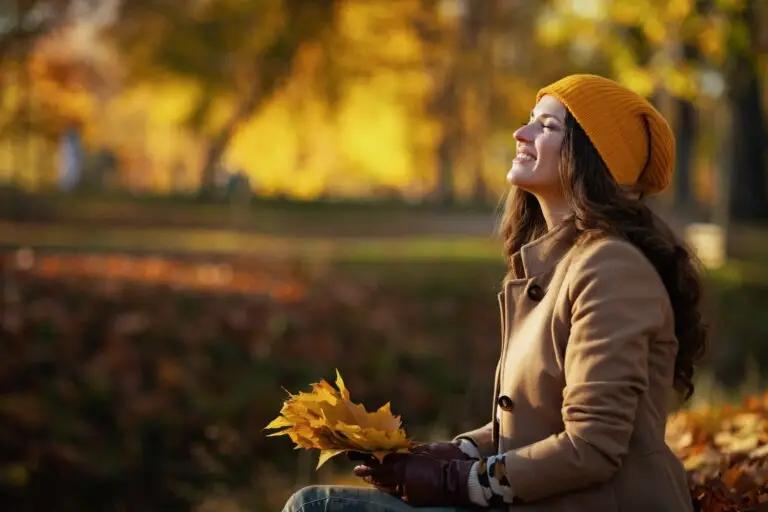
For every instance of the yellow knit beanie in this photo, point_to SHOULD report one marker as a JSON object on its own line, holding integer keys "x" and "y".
{"x": 632, "y": 137}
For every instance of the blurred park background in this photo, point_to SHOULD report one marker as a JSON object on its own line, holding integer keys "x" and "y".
{"x": 205, "y": 201}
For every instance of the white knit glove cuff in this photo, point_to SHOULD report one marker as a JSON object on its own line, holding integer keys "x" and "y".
{"x": 476, "y": 494}
{"x": 469, "y": 448}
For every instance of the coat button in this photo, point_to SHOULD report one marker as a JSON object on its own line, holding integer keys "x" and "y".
{"x": 505, "y": 403}
{"x": 535, "y": 292}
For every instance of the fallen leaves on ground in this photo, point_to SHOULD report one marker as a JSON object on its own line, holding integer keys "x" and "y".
{"x": 128, "y": 372}
{"x": 235, "y": 275}
{"x": 725, "y": 451}
{"x": 326, "y": 419}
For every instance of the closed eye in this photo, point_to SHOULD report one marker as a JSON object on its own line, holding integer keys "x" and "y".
{"x": 546, "y": 121}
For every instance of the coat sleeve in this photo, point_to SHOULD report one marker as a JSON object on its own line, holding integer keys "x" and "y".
{"x": 618, "y": 302}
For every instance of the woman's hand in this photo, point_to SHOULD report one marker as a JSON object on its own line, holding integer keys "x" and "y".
{"x": 421, "y": 480}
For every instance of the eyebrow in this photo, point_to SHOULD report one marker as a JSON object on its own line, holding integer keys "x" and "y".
{"x": 546, "y": 116}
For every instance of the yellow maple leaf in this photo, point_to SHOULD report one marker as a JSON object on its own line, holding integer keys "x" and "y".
{"x": 326, "y": 419}
{"x": 341, "y": 386}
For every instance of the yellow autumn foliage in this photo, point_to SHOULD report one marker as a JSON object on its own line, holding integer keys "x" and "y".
{"x": 327, "y": 420}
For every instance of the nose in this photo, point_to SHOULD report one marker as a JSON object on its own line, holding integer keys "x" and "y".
{"x": 524, "y": 133}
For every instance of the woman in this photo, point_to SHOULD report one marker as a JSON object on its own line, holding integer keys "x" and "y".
{"x": 600, "y": 320}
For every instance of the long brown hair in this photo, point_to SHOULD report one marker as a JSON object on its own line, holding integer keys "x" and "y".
{"x": 601, "y": 207}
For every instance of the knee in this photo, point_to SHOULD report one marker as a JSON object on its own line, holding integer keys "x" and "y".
{"x": 299, "y": 501}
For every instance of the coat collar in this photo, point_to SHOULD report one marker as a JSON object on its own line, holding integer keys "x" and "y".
{"x": 541, "y": 255}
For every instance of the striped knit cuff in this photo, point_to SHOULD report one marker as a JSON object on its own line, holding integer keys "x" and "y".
{"x": 476, "y": 494}
{"x": 491, "y": 474}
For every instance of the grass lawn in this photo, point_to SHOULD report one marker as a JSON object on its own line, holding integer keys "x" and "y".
{"x": 410, "y": 254}
{"x": 221, "y": 242}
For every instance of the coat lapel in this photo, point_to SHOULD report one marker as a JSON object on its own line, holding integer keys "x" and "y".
{"x": 536, "y": 259}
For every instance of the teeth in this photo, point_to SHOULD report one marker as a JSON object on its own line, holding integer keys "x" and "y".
{"x": 524, "y": 156}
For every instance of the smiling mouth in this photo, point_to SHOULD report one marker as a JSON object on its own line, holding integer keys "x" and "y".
{"x": 524, "y": 157}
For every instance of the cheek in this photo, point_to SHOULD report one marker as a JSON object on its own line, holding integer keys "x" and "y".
{"x": 548, "y": 148}
{"x": 549, "y": 156}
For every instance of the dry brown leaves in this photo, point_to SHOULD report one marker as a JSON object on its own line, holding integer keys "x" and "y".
{"x": 326, "y": 419}
{"x": 114, "y": 317}
{"x": 233, "y": 275}
{"x": 725, "y": 451}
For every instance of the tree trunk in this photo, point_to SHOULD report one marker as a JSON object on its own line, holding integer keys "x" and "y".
{"x": 447, "y": 112}
{"x": 480, "y": 33}
{"x": 220, "y": 142}
{"x": 272, "y": 68}
{"x": 749, "y": 197}
{"x": 686, "y": 137}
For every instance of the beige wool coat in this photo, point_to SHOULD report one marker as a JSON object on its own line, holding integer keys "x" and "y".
{"x": 582, "y": 384}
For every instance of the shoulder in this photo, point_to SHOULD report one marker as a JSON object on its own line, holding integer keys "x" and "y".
{"x": 611, "y": 251}
{"x": 615, "y": 267}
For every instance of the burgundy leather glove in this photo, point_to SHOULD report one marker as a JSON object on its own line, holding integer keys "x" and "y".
{"x": 421, "y": 481}
{"x": 444, "y": 450}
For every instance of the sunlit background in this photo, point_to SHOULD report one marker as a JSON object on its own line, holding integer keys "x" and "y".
{"x": 203, "y": 202}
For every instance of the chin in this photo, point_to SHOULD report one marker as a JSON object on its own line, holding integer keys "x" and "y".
{"x": 533, "y": 180}
{"x": 519, "y": 179}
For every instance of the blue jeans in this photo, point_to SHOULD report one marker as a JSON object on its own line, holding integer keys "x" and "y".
{"x": 332, "y": 498}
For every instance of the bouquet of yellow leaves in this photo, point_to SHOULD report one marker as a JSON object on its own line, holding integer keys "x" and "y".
{"x": 326, "y": 419}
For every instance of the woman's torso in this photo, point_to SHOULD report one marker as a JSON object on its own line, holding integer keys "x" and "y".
{"x": 536, "y": 314}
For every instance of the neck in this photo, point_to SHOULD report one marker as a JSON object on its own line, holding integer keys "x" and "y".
{"x": 554, "y": 211}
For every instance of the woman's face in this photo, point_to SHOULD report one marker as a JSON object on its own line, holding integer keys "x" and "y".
{"x": 535, "y": 169}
